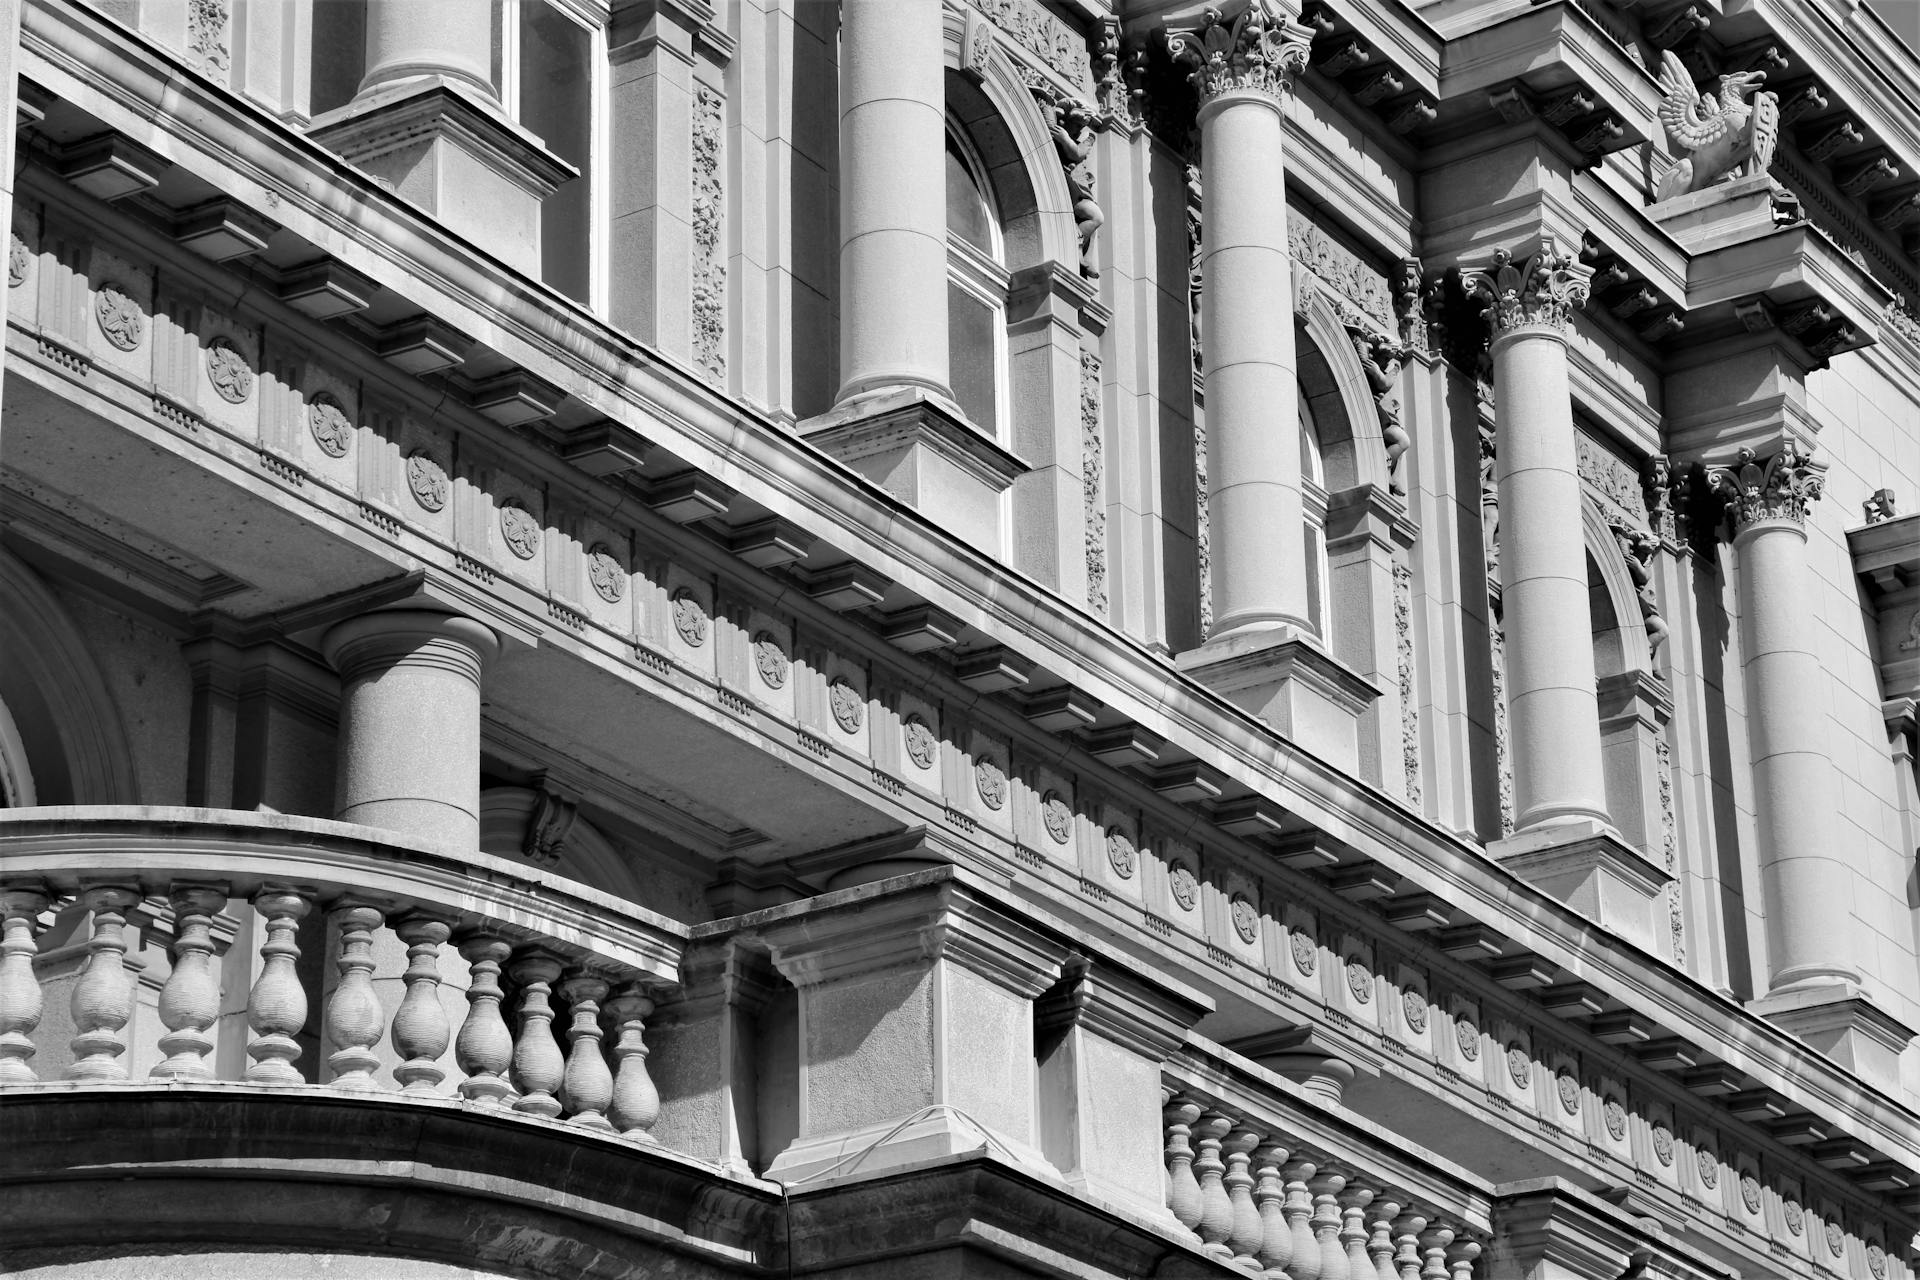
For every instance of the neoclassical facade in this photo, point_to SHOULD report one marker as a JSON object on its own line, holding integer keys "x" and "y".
{"x": 1042, "y": 638}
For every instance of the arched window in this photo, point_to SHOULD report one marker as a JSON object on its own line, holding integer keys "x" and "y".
{"x": 1313, "y": 502}
{"x": 977, "y": 281}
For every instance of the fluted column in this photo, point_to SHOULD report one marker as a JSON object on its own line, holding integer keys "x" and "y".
{"x": 1805, "y": 880}
{"x": 1241, "y": 57}
{"x": 410, "y": 722}
{"x": 1552, "y": 712}
{"x": 893, "y": 212}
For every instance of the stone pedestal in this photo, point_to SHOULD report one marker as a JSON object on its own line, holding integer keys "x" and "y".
{"x": 1307, "y": 1057}
{"x": 409, "y": 741}
{"x": 915, "y": 1036}
{"x": 1283, "y": 676}
{"x": 1840, "y": 1021}
{"x": 1720, "y": 215}
{"x": 1589, "y": 867}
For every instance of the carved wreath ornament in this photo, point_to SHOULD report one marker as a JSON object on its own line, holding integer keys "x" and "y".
{"x": 427, "y": 480}
{"x": 770, "y": 660}
{"x": 1615, "y": 1116}
{"x": 1413, "y": 1006}
{"x": 1121, "y": 855}
{"x": 1359, "y": 980}
{"x": 991, "y": 782}
{"x": 922, "y": 746}
{"x": 1185, "y": 886}
{"x": 228, "y": 370}
{"x": 849, "y": 709}
{"x": 1306, "y": 952}
{"x": 1568, "y": 1086}
{"x": 604, "y": 571}
{"x": 121, "y": 321}
{"x": 1246, "y": 917}
{"x": 689, "y": 617}
{"x": 327, "y": 421}
{"x": 1467, "y": 1036}
{"x": 519, "y": 529}
{"x": 1519, "y": 1067}
{"x": 1057, "y": 817}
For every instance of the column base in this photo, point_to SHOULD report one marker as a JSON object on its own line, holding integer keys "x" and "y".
{"x": 890, "y": 1144}
{"x": 920, "y": 448}
{"x": 1841, "y": 1021}
{"x": 1586, "y": 865}
{"x": 1285, "y": 678}
{"x": 462, "y": 161}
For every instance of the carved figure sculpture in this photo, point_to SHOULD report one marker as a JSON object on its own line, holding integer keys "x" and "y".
{"x": 1636, "y": 548}
{"x": 1071, "y": 125}
{"x": 1728, "y": 134}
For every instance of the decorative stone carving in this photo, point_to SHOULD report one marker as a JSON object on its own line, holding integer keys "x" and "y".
{"x": 1467, "y": 1036}
{"x": 1502, "y": 738}
{"x": 1656, "y": 490}
{"x": 1035, "y": 29}
{"x": 1109, "y": 63}
{"x": 604, "y": 570}
{"x": 1409, "y": 286}
{"x": 1615, "y": 1116}
{"x": 1709, "y": 1167}
{"x": 1381, "y": 359}
{"x": 1637, "y": 548}
{"x": 1184, "y": 885}
{"x": 328, "y": 423}
{"x": 848, "y": 707}
{"x": 1721, "y": 135}
{"x": 1413, "y": 1007}
{"x": 19, "y": 257}
{"x": 1780, "y": 486}
{"x": 121, "y": 320}
{"x": 1879, "y": 506}
{"x": 1612, "y": 483}
{"x": 1121, "y": 855}
{"x": 228, "y": 370}
{"x": 1670, "y": 848}
{"x": 1796, "y": 1217}
{"x": 1567, "y": 1085}
{"x": 1836, "y": 1239}
{"x": 1057, "y": 816}
{"x": 1540, "y": 294}
{"x": 1663, "y": 1144}
{"x": 1912, "y": 640}
{"x": 427, "y": 480}
{"x": 1306, "y": 952}
{"x": 1359, "y": 980}
{"x": 207, "y": 36}
{"x": 1070, "y": 123}
{"x": 990, "y": 780}
{"x": 1242, "y": 45}
{"x": 1750, "y": 1192}
{"x": 519, "y": 528}
{"x": 1355, "y": 289}
{"x": 922, "y": 746}
{"x": 709, "y": 267}
{"x": 1245, "y": 916}
{"x": 1409, "y": 699}
{"x": 771, "y": 661}
{"x": 1519, "y": 1067}
{"x": 1092, "y": 481}
{"x": 689, "y": 616}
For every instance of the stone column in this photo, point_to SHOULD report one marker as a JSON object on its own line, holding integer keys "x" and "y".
{"x": 409, "y": 740}
{"x": 1807, "y": 883}
{"x": 411, "y": 40}
{"x": 893, "y": 212}
{"x": 1242, "y": 55}
{"x": 1552, "y": 711}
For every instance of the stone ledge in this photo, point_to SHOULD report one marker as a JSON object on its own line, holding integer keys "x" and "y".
{"x": 1841, "y": 1021}
{"x": 1589, "y": 867}
{"x": 1283, "y": 676}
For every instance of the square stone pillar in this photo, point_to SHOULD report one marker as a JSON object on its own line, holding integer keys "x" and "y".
{"x": 1104, "y": 1034}
{"x": 1840, "y": 1020}
{"x": 1546, "y": 1229}
{"x": 1368, "y": 535}
{"x": 915, "y": 1036}
{"x": 1588, "y": 866}
{"x": 705, "y": 1042}
{"x": 1284, "y": 677}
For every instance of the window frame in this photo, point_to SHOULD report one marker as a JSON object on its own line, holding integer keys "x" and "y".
{"x": 985, "y": 278}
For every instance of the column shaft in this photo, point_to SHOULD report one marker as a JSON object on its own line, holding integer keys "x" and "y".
{"x": 409, "y": 39}
{"x": 893, "y": 212}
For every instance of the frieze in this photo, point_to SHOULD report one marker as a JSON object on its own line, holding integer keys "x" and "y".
{"x": 1034, "y": 29}
{"x": 689, "y": 617}
{"x": 520, "y": 529}
{"x": 228, "y": 370}
{"x": 1057, "y": 816}
{"x": 922, "y": 746}
{"x": 19, "y": 257}
{"x": 1121, "y": 854}
{"x": 1355, "y": 287}
{"x": 427, "y": 480}
{"x": 848, "y": 707}
{"x": 605, "y": 573}
{"x": 1245, "y": 916}
{"x": 1184, "y": 885}
{"x": 1413, "y": 1007}
{"x": 1614, "y": 1114}
{"x": 990, "y": 780}
{"x": 1306, "y": 952}
{"x": 328, "y": 424}
{"x": 119, "y": 316}
{"x": 770, "y": 660}
{"x": 1359, "y": 980}
{"x": 1610, "y": 482}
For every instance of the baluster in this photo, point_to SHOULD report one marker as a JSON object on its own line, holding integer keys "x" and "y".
{"x": 421, "y": 1030}
{"x": 1269, "y": 1193}
{"x": 1326, "y": 1226}
{"x": 587, "y": 1088}
{"x": 484, "y": 1048}
{"x": 1380, "y": 1216}
{"x": 1244, "y": 1237}
{"x": 1433, "y": 1244}
{"x": 277, "y": 1005}
{"x": 1216, "y": 1211}
{"x": 20, "y": 999}
{"x": 538, "y": 1067}
{"x": 103, "y": 997}
{"x": 1461, "y": 1259}
{"x": 1183, "y": 1189}
{"x": 1306, "y": 1250}
{"x": 354, "y": 1016}
{"x": 1353, "y": 1231}
{"x": 190, "y": 1001}
{"x": 636, "y": 1103}
{"x": 1407, "y": 1229}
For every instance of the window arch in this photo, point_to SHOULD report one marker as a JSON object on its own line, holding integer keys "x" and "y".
{"x": 1313, "y": 503}
{"x": 977, "y": 282}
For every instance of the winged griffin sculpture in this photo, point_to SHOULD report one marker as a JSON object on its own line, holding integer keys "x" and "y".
{"x": 1728, "y": 134}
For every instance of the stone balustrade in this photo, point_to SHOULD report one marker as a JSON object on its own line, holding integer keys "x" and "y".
{"x": 1282, "y": 1196}
{"x": 523, "y": 941}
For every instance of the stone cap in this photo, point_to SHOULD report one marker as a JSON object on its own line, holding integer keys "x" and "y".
{"x": 1149, "y": 1015}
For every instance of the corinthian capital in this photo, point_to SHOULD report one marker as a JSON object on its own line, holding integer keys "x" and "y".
{"x": 1778, "y": 487}
{"x": 1542, "y": 293}
{"x": 1241, "y": 44}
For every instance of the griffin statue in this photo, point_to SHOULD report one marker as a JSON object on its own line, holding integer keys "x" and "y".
{"x": 1729, "y": 134}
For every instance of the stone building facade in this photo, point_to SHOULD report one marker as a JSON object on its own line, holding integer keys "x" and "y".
{"x": 1065, "y": 638}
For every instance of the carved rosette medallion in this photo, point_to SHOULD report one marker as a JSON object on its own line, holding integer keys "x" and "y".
{"x": 604, "y": 571}
{"x": 427, "y": 480}
{"x": 1252, "y": 46}
{"x": 1796, "y": 1217}
{"x": 1877, "y": 1261}
{"x": 1057, "y": 816}
{"x": 1519, "y": 1067}
{"x": 327, "y": 421}
{"x": 689, "y": 617}
{"x": 1467, "y": 1036}
{"x": 1615, "y": 1116}
{"x": 1568, "y": 1087}
{"x": 1185, "y": 886}
{"x": 120, "y": 318}
{"x": 1836, "y": 1239}
{"x": 1246, "y": 917}
{"x": 519, "y": 529}
{"x": 1121, "y": 855}
{"x": 1750, "y": 1192}
{"x": 1413, "y": 1006}
{"x": 1780, "y": 487}
{"x": 1537, "y": 296}
{"x": 771, "y": 661}
{"x": 1306, "y": 952}
{"x": 228, "y": 370}
{"x": 848, "y": 707}
{"x": 1709, "y": 1168}
{"x": 990, "y": 780}
{"x": 1359, "y": 980}
{"x": 922, "y": 746}
{"x": 18, "y": 259}
{"x": 1663, "y": 1144}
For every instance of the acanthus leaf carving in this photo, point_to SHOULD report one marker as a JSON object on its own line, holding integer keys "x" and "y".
{"x": 1540, "y": 294}
{"x": 710, "y": 268}
{"x": 1779, "y": 487}
{"x": 1243, "y": 45}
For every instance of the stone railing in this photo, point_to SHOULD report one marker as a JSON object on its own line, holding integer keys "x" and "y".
{"x": 1283, "y": 1190}
{"x": 543, "y": 936}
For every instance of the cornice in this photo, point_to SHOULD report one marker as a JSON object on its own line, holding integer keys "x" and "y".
{"x": 1868, "y": 82}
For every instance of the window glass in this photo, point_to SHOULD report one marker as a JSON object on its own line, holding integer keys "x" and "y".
{"x": 973, "y": 356}
{"x": 968, "y": 216}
